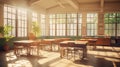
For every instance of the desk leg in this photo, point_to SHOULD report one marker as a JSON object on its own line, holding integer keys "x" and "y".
{"x": 51, "y": 46}
{"x": 15, "y": 50}
{"x": 94, "y": 46}
{"x": 28, "y": 50}
{"x": 84, "y": 52}
{"x": 58, "y": 47}
{"x": 39, "y": 51}
{"x": 61, "y": 52}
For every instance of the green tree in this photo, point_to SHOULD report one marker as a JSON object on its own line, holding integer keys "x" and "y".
{"x": 7, "y": 30}
{"x": 36, "y": 28}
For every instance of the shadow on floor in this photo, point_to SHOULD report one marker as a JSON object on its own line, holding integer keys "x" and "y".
{"x": 97, "y": 62}
{"x": 3, "y": 62}
{"x": 8, "y": 59}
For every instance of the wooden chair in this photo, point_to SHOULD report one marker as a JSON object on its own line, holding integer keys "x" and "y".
{"x": 73, "y": 51}
{"x": 56, "y": 43}
{"x": 45, "y": 45}
{"x": 18, "y": 49}
{"x": 34, "y": 47}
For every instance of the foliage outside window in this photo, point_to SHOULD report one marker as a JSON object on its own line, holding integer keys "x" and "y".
{"x": 112, "y": 24}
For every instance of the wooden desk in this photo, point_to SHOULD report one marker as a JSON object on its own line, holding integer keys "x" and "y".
{"x": 52, "y": 42}
{"x": 49, "y": 42}
{"x": 58, "y": 40}
{"x": 26, "y": 44}
{"x": 90, "y": 41}
{"x": 78, "y": 44}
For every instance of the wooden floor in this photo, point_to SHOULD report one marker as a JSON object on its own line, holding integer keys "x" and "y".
{"x": 101, "y": 57}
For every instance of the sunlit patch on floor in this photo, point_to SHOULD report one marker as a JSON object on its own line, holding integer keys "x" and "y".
{"x": 20, "y": 63}
{"x": 102, "y": 56}
{"x": 10, "y": 56}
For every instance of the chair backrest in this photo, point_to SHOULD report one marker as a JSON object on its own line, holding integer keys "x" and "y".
{"x": 31, "y": 36}
{"x": 71, "y": 44}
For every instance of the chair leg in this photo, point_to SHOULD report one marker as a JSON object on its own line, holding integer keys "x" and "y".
{"x": 67, "y": 54}
{"x": 74, "y": 55}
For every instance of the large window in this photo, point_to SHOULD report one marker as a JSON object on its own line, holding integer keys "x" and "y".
{"x": 60, "y": 24}
{"x": 65, "y": 24}
{"x": 17, "y": 18}
{"x": 10, "y": 18}
{"x": 71, "y": 24}
{"x": 57, "y": 24}
{"x": 92, "y": 19}
{"x": 79, "y": 24}
{"x": 43, "y": 25}
{"x": 22, "y": 22}
{"x": 112, "y": 24}
{"x": 34, "y": 17}
{"x": 52, "y": 24}
{"x": 118, "y": 24}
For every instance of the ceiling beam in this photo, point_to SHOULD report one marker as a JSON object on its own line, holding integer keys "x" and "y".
{"x": 74, "y": 4}
{"x": 38, "y": 7}
{"x": 32, "y": 3}
{"x": 101, "y": 5}
{"x": 60, "y": 4}
{"x": 52, "y": 7}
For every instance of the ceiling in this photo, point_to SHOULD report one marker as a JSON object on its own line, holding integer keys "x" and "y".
{"x": 47, "y": 4}
{"x": 65, "y": 5}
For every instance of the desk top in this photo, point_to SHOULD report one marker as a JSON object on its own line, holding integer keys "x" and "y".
{"x": 89, "y": 39}
{"x": 49, "y": 39}
{"x": 24, "y": 41}
{"x": 75, "y": 42}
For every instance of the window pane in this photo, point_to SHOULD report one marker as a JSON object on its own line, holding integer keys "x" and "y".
{"x": 110, "y": 20}
{"x": 92, "y": 19}
{"x": 9, "y": 18}
{"x": 22, "y": 22}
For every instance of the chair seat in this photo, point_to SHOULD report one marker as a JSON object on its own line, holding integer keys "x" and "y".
{"x": 72, "y": 51}
{"x": 18, "y": 50}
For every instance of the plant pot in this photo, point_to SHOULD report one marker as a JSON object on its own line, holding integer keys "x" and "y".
{"x": 6, "y": 47}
